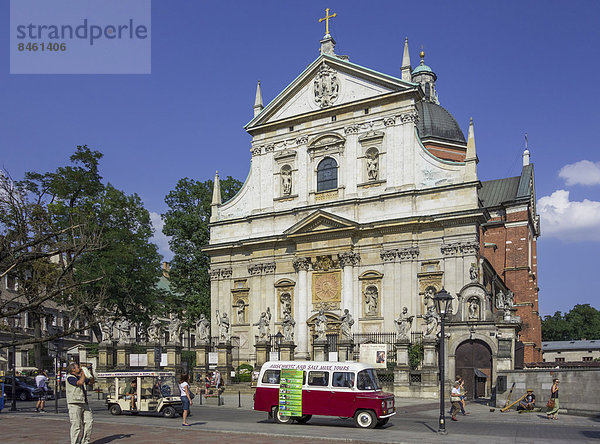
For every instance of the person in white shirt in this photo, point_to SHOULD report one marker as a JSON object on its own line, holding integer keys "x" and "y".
{"x": 41, "y": 382}
{"x": 455, "y": 399}
{"x": 186, "y": 399}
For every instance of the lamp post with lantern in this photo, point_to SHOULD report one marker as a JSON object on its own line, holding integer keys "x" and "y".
{"x": 442, "y": 301}
{"x": 278, "y": 340}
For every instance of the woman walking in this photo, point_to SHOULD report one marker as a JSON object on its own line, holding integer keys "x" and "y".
{"x": 553, "y": 412}
{"x": 186, "y": 399}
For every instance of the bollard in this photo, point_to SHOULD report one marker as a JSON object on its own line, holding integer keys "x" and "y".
{"x": 239, "y": 399}
{"x": 200, "y": 397}
{"x": 219, "y": 399}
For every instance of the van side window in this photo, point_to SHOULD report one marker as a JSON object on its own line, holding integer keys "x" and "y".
{"x": 271, "y": 377}
{"x": 319, "y": 379}
{"x": 343, "y": 379}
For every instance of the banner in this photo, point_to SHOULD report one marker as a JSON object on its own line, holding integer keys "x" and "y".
{"x": 290, "y": 392}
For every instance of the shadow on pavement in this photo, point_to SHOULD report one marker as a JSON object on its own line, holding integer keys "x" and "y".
{"x": 591, "y": 434}
{"x": 112, "y": 438}
{"x": 427, "y": 425}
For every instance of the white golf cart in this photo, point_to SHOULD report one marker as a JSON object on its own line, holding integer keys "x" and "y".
{"x": 157, "y": 392}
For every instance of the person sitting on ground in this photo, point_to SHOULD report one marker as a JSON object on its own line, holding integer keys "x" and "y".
{"x": 527, "y": 403}
{"x": 131, "y": 393}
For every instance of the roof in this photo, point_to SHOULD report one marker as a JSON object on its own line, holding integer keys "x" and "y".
{"x": 422, "y": 68}
{"x": 437, "y": 123}
{"x": 495, "y": 192}
{"x": 590, "y": 344}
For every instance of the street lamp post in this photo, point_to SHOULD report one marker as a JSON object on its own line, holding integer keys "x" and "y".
{"x": 278, "y": 338}
{"x": 442, "y": 301}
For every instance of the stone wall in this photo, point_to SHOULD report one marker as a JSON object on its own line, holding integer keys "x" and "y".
{"x": 579, "y": 391}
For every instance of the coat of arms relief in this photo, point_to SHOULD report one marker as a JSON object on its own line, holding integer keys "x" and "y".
{"x": 326, "y": 86}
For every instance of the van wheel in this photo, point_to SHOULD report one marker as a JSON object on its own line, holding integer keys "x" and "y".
{"x": 382, "y": 422}
{"x": 303, "y": 419}
{"x": 279, "y": 418}
{"x": 365, "y": 419}
{"x": 115, "y": 409}
{"x": 169, "y": 412}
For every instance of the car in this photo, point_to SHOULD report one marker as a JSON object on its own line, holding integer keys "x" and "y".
{"x": 25, "y": 388}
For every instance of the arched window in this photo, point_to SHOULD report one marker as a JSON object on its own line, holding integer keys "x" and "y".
{"x": 327, "y": 175}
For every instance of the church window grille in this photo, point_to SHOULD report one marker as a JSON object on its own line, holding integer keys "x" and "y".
{"x": 327, "y": 175}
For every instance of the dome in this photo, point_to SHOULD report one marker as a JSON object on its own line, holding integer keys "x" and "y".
{"x": 422, "y": 68}
{"x": 437, "y": 123}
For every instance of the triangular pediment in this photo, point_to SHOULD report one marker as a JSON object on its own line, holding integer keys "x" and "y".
{"x": 320, "y": 222}
{"x": 327, "y": 83}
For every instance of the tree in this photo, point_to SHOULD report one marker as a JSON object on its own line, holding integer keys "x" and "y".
{"x": 582, "y": 322}
{"x": 72, "y": 242}
{"x": 187, "y": 222}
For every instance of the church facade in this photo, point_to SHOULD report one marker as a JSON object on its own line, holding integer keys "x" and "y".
{"x": 363, "y": 195}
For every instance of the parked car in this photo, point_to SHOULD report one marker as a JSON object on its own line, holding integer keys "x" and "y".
{"x": 25, "y": 387}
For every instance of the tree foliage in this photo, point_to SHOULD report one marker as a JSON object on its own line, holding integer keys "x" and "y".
{"x": 187, "y": 222}
{"x": 582, "y": 322}
{"x": 75, "y": 244}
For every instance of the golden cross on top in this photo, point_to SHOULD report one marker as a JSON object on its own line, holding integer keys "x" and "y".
{"x": 326, "y": 19}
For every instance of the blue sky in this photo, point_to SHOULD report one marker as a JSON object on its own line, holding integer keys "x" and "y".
{"x": 513, "y": 66}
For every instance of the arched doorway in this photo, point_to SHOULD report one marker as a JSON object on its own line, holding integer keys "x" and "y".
{"x": 474, "y": 364}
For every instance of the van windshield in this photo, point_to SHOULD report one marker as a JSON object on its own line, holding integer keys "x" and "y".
{"x": 367, "y": 380}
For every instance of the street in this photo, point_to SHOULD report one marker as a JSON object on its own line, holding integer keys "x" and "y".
{"x": 416, "y": 421}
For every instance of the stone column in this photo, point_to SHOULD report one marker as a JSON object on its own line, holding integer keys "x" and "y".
{"x": 301, "y": 265}
{"x": 286, "y": 351}
{"x": 430, "y": 372}
{"x": 429, "y": 353}
{"x": 262, "y": 353}
{"x": 345, "y": 350}
{"x": 347, "y": 261}
{"x": 123, "y": 352}
{"x": 153, "y": 353}
{"x": 202, "y": 350}
{"x": 173, "y": 358}
{"x": 402, "y": 358}
{"x": 321, "y": 347}
{"x": 402, "y": 370}
{"x": 225, "y": 360}
{"x": 105, "y": 356}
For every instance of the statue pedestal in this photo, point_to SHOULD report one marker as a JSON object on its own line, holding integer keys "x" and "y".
{"x": 262, "y": 353}
{"x": 153, "y": 353}
{"x": 286, "y": 351}
{"x": 202, "y": 350}
{"x": 402, "y": 358}
{"x": 321, "y": 350}
{"x": 345, "y": 350}
{"x": 430, "y": 358}
{"x": 123, "y": 352}
{"x": 173, "y": 358}
{"x": 105, "y": 357}
{"x": 225, "y": 361}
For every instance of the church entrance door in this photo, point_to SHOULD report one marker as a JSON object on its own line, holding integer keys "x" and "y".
{"x": 474, "y": 364}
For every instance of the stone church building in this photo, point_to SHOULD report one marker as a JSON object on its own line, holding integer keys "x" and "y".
{"x": 363, "y": 195}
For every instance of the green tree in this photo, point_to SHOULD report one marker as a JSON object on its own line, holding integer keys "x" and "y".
{"x": 582, "y": 322}
{"x": 187, "y": 222}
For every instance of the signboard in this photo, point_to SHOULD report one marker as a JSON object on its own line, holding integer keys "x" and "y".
{"x": 273, "y": 356}
{"x": 290, "y": 392}
{"x": 333, "y": 357}
{"x": 374, "y": 354}
{"x": 213, "y": 358}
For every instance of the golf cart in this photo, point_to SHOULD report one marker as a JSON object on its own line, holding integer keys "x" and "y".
{"x": 157, "y": 392}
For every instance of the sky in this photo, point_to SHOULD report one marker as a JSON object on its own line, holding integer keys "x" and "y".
{"x": 515, "y": 67}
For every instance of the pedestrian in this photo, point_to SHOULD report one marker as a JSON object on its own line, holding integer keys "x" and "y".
{"x": 186, "y": 399}
{"x": 455, "y": 399}
{"x": 463, "y": 396}
{"x": 41, "y": 384}
{"x": 217, "y": 379}
{"x": 553, "y": 403}
{"x": 77, "y": 402}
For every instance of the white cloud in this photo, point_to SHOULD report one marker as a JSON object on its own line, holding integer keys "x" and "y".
{"x": 569, "y": 220}
{"x": 159, "y": 238}
{"x": 583, "y": 172}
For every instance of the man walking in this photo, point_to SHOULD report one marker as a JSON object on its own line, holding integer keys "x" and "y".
{"x": 77, "y": 402}
{"x": 41, "y": 383}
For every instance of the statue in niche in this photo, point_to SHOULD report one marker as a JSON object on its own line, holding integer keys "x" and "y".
{"x": 154, "y": 330}
{"x": 474, "y": 309}
{"x": 347, "y": 323}
{"x": 286, "y": 181}
{"x": 321, "y": 326}
{"x": 403, "y": 324}
{"x": 286, "y": 304}
{"x": 474, "y": 272}
{"x": 241, "y": 312}
{"x": 288, "y": 328}
{"x": 263, "y": 325}
{"x": 431, "y": 319}
{"x": 371, "y": 300}
{"x": 372, "y": 165}
{"x": 175, "y": 331}
{"x": 500, "y": 300}
{"x": 124, "y": 329}
{"x": 223, "y": 323}
{"x": 203, "y": 329}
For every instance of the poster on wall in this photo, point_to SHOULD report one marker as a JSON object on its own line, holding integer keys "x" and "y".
{"x": 290, "y": 392}
{"x": 374, "y": 354}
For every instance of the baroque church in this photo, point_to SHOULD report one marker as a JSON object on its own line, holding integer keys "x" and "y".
{"x": 363, "y": 195}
